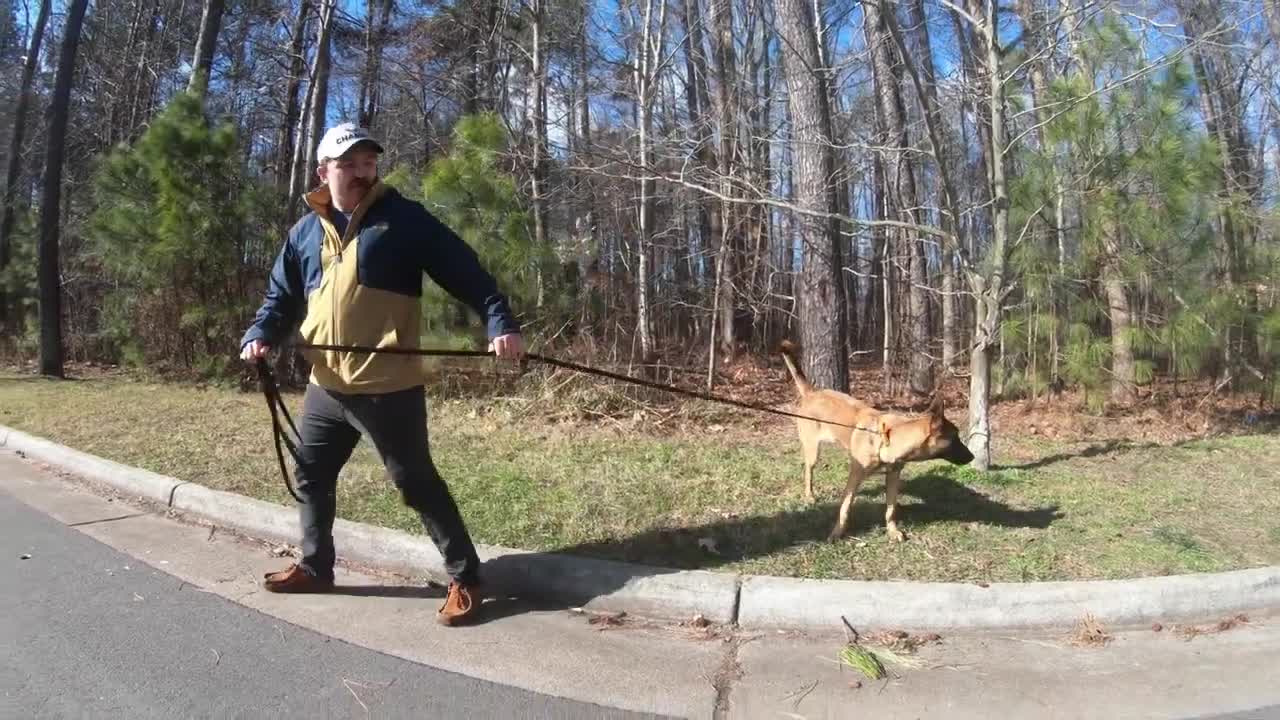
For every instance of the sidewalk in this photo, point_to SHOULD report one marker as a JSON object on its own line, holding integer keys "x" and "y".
{"x": 686, "y": 671}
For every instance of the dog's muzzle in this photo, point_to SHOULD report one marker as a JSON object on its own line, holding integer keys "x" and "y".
{"x": 959, "y": 455}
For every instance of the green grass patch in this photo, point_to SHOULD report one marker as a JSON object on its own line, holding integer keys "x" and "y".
{"x": 721, "y": 499}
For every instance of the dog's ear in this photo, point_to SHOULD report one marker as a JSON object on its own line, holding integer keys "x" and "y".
{"x": 884, "y": 433}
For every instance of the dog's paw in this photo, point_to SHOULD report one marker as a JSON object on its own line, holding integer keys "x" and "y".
{"x": 810, "y": 498}
{"x": 836, "y": 536}
{"x": 896, "y": 535}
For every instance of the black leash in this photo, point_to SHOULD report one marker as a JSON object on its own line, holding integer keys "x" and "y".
{"x": 585, "y": 369}
{"x": 271, "y": 390}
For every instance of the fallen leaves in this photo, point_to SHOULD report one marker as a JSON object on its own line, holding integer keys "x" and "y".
{"x": 1189, "y": 632}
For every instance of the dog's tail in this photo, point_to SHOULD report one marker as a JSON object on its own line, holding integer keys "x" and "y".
{"x": 788, "y": 351}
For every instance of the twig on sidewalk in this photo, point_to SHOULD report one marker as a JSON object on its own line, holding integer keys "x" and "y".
{"x": 853, "y": 634}
{"x": 379, "y": 685}
{"x": 802, "y": 693}
{"x": 217, "y": 656}
{"x": 347, "y": 684}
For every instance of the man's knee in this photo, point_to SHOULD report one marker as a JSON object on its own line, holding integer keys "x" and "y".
{"x": 420, "y": 488}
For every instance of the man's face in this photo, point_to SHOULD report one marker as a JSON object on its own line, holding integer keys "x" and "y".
{"x": 349, "y": 177}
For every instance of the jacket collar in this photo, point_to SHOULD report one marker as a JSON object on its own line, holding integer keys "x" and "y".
{"x": 321, "y": 201}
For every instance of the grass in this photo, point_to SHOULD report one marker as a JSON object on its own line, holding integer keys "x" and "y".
{"x": 1050, "y": 510}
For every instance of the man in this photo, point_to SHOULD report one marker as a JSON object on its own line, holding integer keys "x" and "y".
{"x": 351, "y": 272}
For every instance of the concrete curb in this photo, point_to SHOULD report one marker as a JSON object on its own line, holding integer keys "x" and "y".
{"x": 587, "y": 582}
{"x": 791, "y": 602}
{"x": 129, "y": 480}
{"x": 750, "y": 601}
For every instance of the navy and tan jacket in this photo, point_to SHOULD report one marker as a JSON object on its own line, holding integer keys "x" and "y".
{"x": 365, "y": 288}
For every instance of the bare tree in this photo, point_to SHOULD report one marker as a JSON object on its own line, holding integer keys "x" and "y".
{"x": 206, "y": 44}
{"x": 320, "y": 80}
{"x": 311, "y": 124}
{"x": 537, "y": 117}
{"x": 988, "y": 284}
{"x": 285, "y": 133}
{"x": 900, "y": 188}
{"x": 371, "y": 77}
{"x": 724, "y": 224}
{"x": 823, "y": 312}
{"x": 14, "y": 172}
{"x": 950, "y": 288}
{"x": 646, "y": 63}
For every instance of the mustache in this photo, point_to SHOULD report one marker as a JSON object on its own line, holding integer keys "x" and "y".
{"x": 365, "y": 183}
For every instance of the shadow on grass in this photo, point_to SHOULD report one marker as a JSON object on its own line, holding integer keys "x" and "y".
{"x": 576, "y": 574}
{"x": 1095, "y": 450}
{"x": 1260, "y": 425}
{"x": 944, "y": 499}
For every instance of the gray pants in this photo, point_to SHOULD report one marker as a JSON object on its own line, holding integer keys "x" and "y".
{"x": 330, "y": 426}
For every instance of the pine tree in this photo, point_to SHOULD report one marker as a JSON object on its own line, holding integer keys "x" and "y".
{"x": 472, "y": 192}
{"x": 170, "y": 230}
{"x": 1143, "y": 178}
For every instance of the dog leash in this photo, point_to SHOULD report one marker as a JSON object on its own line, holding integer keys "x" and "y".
{"x": 271, "y": 390}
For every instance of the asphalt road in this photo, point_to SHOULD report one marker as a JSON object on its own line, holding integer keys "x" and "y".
{"x": 86, "y": 631}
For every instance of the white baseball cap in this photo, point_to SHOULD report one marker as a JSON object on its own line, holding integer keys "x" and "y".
{"x": 341, "y": 138}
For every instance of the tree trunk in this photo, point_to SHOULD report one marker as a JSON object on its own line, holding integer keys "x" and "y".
{"x": 645, "y": 71}
{"x": 320, "y": 81}
{"x": 311, "y": 125}
{"x": 140, "y": 90}
{"x": 51, "y": 357}
{"x": 299, "y": 168}
{"x": 729, "y": 231}
{"x": 991, "y": 292}
{"x": 377, "y": 22}
{"x": 538, "y": 118}
{"x": 1123, "y": 387}
{"x": 588, "y": 251}
{"x": 206, "y": 45}
{"x": 14, "y": 172}
{"x": 823, "y": 325}
{"x": 297, "y": 62}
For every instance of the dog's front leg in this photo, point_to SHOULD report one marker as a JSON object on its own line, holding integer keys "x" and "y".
{"x": 856, "y": 475}
{"x": 892, "y": 483}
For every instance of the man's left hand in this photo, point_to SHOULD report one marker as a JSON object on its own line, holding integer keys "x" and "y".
{"x": 508, "y": 347}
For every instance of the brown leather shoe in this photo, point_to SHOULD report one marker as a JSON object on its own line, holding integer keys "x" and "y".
{"x": 295, "y": 579}
{"x": 460, "y": 605}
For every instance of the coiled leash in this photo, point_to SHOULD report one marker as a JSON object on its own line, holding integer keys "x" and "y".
{"x": 272, "y": 391}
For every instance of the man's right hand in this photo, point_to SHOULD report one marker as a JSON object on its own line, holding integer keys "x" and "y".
{"x": 253, "y": 350}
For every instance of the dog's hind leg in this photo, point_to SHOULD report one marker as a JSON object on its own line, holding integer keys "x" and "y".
{"x": 892, "y": 483}
{"x": 809, "y": 445}
{"x": 856, "y": 476}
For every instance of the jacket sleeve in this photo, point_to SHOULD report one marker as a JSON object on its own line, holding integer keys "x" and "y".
{"x": 453, "y": 265}
{"x": 279, "y": 312}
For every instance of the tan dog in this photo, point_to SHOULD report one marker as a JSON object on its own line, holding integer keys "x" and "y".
{"x": 875, "y": 441}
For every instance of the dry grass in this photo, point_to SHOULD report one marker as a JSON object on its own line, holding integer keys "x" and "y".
{"x": 688, "y": 486}
{"x": 1089, "y": 633}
